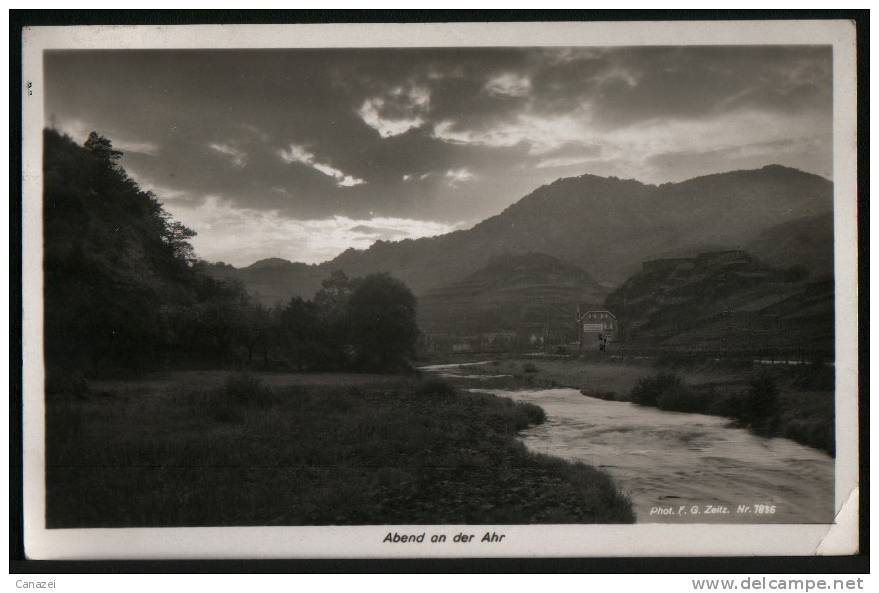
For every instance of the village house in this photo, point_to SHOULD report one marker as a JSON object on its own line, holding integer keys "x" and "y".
{"x": 595, "y": 328}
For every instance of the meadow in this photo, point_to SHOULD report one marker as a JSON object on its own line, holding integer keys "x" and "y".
{"x": 184, "y": 449}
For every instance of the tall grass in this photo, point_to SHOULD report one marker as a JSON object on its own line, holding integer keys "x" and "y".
{"x": 406, "y": 453}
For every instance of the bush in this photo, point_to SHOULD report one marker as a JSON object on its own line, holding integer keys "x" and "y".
{"x": 528, "y": 415}
{"x": 758, "y": 406}
{"x": 529, "y": 367}
{"x": 648, "y": 390}
{"x": 610, "y": 396}
{"x": 815, "y": 433}
{"x": 816, "y": 376}
{"x": 436, "y": 387}
{"x": 679, "y": 398}
{"x": 723, "y": 404}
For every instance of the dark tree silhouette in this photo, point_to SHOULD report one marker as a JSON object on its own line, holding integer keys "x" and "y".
{"x": 383, "y": 330}
{"x": 124, "y": 291}
{"x": 120, "y": 289}
{"x": 303, "y": 336}
{"x": 102, "y": 148}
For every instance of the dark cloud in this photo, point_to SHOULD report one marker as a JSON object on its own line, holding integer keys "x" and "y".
{"x": 446, "y": 134}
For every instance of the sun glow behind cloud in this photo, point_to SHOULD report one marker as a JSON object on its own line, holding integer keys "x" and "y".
{"x": 221, "y": 226}
{"x": 434, "y": 134}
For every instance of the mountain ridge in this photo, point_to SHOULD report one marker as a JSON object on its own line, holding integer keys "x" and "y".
{"x": 604, "y": 225}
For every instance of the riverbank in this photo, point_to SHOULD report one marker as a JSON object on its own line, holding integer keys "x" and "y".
{"x": 801, "y": 410}
{"x": 222, "y": 449}
{"x": 684, "y": 468}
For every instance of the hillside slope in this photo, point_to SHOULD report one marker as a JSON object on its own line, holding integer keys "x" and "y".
{"x": 512, "y": 293}
{"x": 723, "y": 301}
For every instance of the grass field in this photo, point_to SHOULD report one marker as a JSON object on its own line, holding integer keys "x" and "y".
{"x": 804, "y": 411}
{"x": 198, "y": 449}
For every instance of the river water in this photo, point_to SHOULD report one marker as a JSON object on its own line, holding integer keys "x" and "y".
{"x": 680, "y": 468}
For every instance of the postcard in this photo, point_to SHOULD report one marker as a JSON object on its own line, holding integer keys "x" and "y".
{"x": 440, "y": 290}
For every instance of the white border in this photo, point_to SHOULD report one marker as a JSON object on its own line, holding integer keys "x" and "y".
{"x": 521, "y": 540}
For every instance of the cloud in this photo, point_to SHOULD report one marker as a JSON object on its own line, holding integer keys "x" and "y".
{"x": 79, "y": 130}
{"x": 565, "y": 161}
{"x": 401, "y": 118}
{"x": 299, "y": 154}
{"x": 541, "y": 134}
{"x": 238, "y": 157}
{"x": 397, "y": 111}
{"x": 509, "y": 84}
{"x": 148, "y": 148}
{"x": 241, "y": 236}
{"x": 458, "y": 176}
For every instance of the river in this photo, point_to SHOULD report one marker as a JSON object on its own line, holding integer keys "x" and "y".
{"x": 672, "y": 464}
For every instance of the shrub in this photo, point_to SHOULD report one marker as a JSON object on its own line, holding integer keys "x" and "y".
{"x": 679, "y": 398}
{"x": 723, "y": 404}
{"x": 529, "y": 367}
{"x": 605, "y": 395}
{"x": 759, "y": 404}
{"x": 815, "y": 433}
{"x": 647, "y": 390}
{"x": 436, "y": 387}
{"x": 528, "y": 415}
{"x": 816, "y": 376}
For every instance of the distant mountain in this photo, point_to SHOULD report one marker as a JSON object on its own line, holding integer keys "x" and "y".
{"x": 524, "y": 292}
{"x": 726, "y": 300}
{"x": 606, "y": 226}
{"x": 806, "y": 242}
{"x": 273, "y": 280}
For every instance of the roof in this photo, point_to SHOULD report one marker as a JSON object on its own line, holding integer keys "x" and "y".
{"x": 597, "y": 311}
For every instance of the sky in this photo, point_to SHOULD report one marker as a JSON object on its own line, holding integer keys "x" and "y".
{"x": 303, "y": 153}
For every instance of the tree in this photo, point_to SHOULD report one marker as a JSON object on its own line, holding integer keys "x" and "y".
{"x": 760, "y": 404}
{"x": 301, "y": 334}
{"x": 382, "y": 325}
{"x": 177, "y": 237}
{"x": 333, "y": 296}
{"x": 331, "y": 303}
{"x": 102, "y": 148}
{"x": 120, "y": 290}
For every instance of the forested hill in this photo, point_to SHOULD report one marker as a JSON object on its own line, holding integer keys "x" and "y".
{"x": 124, "y": 292}
{"x": 604, "y": 225}
{"x": 120, "y": 291}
